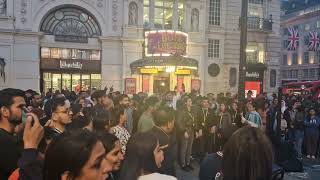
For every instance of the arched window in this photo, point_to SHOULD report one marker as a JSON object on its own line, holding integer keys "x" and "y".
{"x": 233, "y": 77}
{"x": 70, "y": 24}
{"x": 273, "y": 78}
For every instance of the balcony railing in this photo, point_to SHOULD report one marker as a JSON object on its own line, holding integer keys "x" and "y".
{"x": 260, "y": 24}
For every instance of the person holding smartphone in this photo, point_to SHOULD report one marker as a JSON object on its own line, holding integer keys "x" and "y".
{"x": 12, "y": 103}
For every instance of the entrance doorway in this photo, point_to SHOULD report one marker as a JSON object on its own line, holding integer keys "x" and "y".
{"x": 161, "y": 84}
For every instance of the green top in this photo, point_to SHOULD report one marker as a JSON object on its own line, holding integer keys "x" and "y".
{"x": 145, "y": 123}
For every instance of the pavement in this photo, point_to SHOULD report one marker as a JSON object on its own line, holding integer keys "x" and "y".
{"x": 311, "y": 172}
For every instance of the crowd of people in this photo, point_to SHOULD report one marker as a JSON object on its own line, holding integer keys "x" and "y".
{"x": 103, "y": 134}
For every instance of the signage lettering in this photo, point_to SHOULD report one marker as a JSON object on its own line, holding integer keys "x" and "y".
{"x": 72, "y": 65}
{"x": 252, "y": 75}
{"x": 166, "y": 43}
{"x": 148, "y": 71}
{"x": 183, "y": 71}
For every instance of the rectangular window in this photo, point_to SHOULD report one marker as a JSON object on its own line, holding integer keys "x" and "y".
{"x": 306, "y": 57}
{"x": 312, "y": 73}
{"x": 295, "y": 74}
{"x": 55, "y": 53}
{"x": 307, "y": 27}
{"x": 214, "y": 12}
{"x": 317, "y": 58}
{"x": 210, "y": 48}
{"x": 256, "y": 1}
{"x": 284, "y": 60}
{"x": 45, "y": 52}
{"x": 306, "y": 73}
{"x": 290, "y": 74}
{"x": 284, "y": 74}
{"x": 294, "y": 58}
{"x": 216, "y": 48}
{"x": 318, "y": 24}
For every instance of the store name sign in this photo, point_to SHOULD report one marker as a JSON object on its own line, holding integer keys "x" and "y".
{"x": 165, "y": 43}
{"x": 183, "y": 72}
{"x": 71, "y": 65}
{"x": 252, "y": 75}
{"x": 148, "y": 71}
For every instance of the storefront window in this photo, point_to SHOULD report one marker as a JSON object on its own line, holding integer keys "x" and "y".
{"x": 46, "y": 81}
{"x": 85, "y": 82}
{"x": 66, "y": 81}
{"x": 45, "y": 52}
{"x": 95, "y": 55}
{"x": 55, "y": 53}
{"x": 65, "y": 53}
{"x": 76, "y": 82}
{"x": 181, "y": 14}
{"x": 56, "y": 82}
{"x": 96, "y": 81}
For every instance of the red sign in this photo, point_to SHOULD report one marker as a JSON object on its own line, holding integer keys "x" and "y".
{"x": 161, "y": 43}
{"x": 254, "y": 86}
{"x": 145, "y": 83}
{"x": 195, "y": 84}
{"x": 130, "y": 86}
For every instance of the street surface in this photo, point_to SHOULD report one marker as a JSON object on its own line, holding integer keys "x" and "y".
{"x": 312, "y": 172}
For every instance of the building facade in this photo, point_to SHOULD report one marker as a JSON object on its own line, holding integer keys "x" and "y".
{"x": 137, "y": 45}
{"x": 300, "y": 26}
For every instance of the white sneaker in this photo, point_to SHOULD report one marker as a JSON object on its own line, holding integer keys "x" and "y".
{"x": 308, "y": 156}
{"x": 313, "y": 157}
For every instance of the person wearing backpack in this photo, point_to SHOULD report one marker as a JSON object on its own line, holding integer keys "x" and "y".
{"x": 298, "y": 126}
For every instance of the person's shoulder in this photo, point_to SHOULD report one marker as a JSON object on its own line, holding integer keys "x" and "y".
{"x": 156, "y": 176}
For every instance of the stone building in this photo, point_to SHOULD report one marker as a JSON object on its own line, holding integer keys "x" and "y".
{"x": 137, "y": 45}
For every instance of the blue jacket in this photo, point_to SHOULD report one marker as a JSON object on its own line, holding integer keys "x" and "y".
{"x": 312, "y": 125}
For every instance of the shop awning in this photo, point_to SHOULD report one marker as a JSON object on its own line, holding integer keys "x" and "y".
{"x": 177, "y": 61}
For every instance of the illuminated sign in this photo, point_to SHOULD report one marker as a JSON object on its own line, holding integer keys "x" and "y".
{"x": 130, "y": 85}
{"x": 70, "y": 65}
{"x": 148, "y": 71}
{"x": 165, "y": 43}
{"x": 183, "y": 71}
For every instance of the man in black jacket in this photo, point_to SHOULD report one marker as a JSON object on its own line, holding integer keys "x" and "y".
{"x": 164, "y": 124}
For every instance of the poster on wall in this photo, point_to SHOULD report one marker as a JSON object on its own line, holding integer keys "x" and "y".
{"x": 130, "y": 86}
{"x": 145, "y": 83}
{"x": 195, "y": 84}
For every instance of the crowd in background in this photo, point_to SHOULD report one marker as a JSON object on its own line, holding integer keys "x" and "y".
{"x": 102, "y": 134}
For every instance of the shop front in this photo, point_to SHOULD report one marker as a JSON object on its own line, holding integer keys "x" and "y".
{"x": 254, "y": 79}
{"x": 70, "y": 69}
{"x": 165, "y": 65}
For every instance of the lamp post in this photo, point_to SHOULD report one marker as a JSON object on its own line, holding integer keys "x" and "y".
{"x": 243, "y": 46}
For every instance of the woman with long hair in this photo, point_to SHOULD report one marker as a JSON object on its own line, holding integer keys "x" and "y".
{"x": 119, "y": 130}
{"x": 113, "y": 153}
{"x": 247, "y": 155}
{"x": 77, "y": 155}
{"x": 143, "y": 159}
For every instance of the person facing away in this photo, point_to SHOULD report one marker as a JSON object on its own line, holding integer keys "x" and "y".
{"x": 146, "y": 120}
{"x": 144, "y": 157}
{"x": 247, "y": 155}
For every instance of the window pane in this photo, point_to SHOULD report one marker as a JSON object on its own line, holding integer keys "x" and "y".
{"x": 158, "y": 2}
{"x": 96, "y": 81}
{"x": 46, "y": 81}
{"x": 214, "y": 12}
{"x": 95, "y": 55}
{"x": 65, "y": 53}
{"x": 76, "y": 82}
{"x": 45, "y": 52}
{"x": 146, "y": 2}
{"x": 85, "y": 85}
{"x": 55, "y": 53}
{"x": 66, "y": 81}
{"x": 76, "y": 54}
{"x": 56, "y": 82}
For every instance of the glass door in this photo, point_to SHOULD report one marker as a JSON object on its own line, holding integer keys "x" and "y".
{"x": 76, "y": 82}
{"x": 85, "y": 82}
{"x": 46, "y": 82}
{"x": 56, "y": 82}
{"x": 96, "y": 81}
{"x": 66, "y": 81}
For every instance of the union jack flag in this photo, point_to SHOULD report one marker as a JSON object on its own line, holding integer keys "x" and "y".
{"x": 293, "y": 39}
{"x": 313, "y": 41}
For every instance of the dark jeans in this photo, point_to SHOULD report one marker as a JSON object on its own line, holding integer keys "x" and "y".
{"x": 298, "y": 140}
{"x": 186, "y": 148}
{"x": 311, "y": 141}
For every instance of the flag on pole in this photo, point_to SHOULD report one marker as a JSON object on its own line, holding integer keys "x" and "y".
{"x": 313, "y": 41}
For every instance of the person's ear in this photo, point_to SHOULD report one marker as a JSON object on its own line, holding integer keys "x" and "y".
{"x": 4, "y": 111}
{"x": 66, "y": 175}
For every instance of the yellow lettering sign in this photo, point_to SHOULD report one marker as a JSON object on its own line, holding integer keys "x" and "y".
{"x": 183, "y": 71}
{"x": 148, "y": 71}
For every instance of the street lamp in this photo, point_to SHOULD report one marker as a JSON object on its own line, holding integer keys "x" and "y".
{"x": 243, "y": 46}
